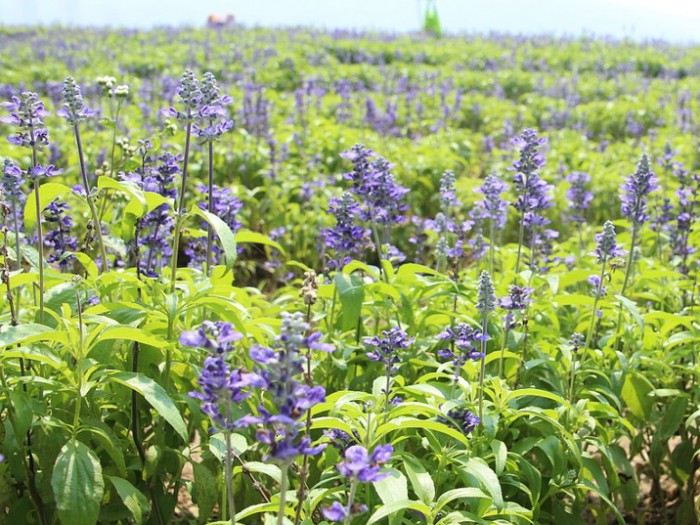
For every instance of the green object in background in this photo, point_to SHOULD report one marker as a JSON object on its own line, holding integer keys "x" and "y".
{"x": 431, "y": 25}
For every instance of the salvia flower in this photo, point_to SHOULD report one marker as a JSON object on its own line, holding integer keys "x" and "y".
{"x": 486, "y": 295}
{"x": 365, "y": 467}
{"x": 74, "y": 109}
{"x": 464, "y": 418}
{"x": 358, "y": 466}
{"x": 212, "y": 111}
{"x": 59, "y": 238}
{"x": 576, "y": 341}
{"x": 27, "y": 113}
{"x": 346, "y": 238}
{"x": 387, "y": 347}
{"x": 280, "y": 421}
{"x": 463, "y": 338}
{"x": 190, "y": 97}
{"x": 493, "y": 206}
{"x": 578, "y": 195}
{"x": 606, "y": 243}
{"x": 12, "y": 182}
{"x": 219, "y": 384}
{"x": 636, "y": 190}
{"x": 517, "y": 300}
{"x": 448, "y": 197}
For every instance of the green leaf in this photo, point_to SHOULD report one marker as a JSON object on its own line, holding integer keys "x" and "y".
{"x": 217, "y": 445}
{"x": 204, "y": 490}
{"x": 352, "y": 294}
{"x": 421, "y": 480}
{"x": 422, "y": 424}
{"x": 131, "y": 334}
{"x": 488, "y": 479}
{"x": 673, "y": 417}
{"x": 632, "y": 308}
{"x": 156, "y": 396}
{"x": 133, "y": 499}
{"x": 455, "y": 494}
{"x": 23, "y": 333}
{"x": 247, "y": 236}
{"x": 77, "y": 484}
{"x": 635, "y": 393}
{"x": 47, "y": 193}
{"x": 386, "y": 510}
{"x": 392, "y": 488}
{"x": 223, "y": 232}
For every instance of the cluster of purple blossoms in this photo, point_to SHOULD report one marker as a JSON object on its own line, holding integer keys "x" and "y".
{"x": 214, "y": 121}
{"x": 465, "y": 419}
{"x": 597, "y": 286}
{"x": 279, "y": 423}
{"x": 27, "y": 113}
{"x": 486, "y": 295}
{"x": 579, "y": 196}
{"x": 59, "y": 239}
{"x": 517, "y": 300}
{"x": 606, "y": 243}
{"x": 219, "y": 385}
{"x": 190, "y": 97}
{"x": 635, "y": 192}
{"x": 346, "y": 238}
{"x": 533, "y": 193}
{"x": 359, "y": 465}
{"x": 340, "y": 439}
{"x": 686, "y": 215}
{"x": 157, "y": 226}
{"x": 493, "y": 206}
{"x": 12, "y": 193}
{"x": 74, "y": 109}
{"x": 386, "y": 348}
{"x": 226, "y": 206}
{"x": 465, "y": 339}
{"x": 375, "y": 187}
{"x": 576, "y": 341}
{"x": 386, "y": 352}
{"x": 664, "y": 209}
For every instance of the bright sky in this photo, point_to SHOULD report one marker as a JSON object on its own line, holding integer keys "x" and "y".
{"x": 677, "y": 20}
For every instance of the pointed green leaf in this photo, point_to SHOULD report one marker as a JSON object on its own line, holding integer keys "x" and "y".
{"x": 77, "y": 484}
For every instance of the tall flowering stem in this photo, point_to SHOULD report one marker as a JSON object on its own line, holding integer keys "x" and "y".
{"x": 634, "y": 199}
{"x": 385, "y": 352}
{"x": 27, "y": 113}
{"x": 464, "y": 343}
{"x": 485, "y": 304}
{"x": 580, "y": 199}
{"x": 191, "y": 97}
{"x": 493, "y": 208}
{"x": 75, "y": 111}
{"x": 575, "y": 343}
{"x": 214, "y": 123}
{"x": 532, "y": 190}
{"x": 220, "y": 387}
{"x": 279, "y": 421}
{"x": 517, "y": 300}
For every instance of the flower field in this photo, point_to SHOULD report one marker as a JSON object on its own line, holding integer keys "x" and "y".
{"x": 298, "y": 277}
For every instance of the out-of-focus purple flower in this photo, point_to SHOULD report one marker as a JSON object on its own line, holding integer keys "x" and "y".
{"x": 27, "y": 113}
{"x": 359, "y": 464}
{"x": 12, "y": 183}
{"x": 576, "y": 341}
{"x": 59, "y": 238}
{"x": 346, "y": 238}
{"x": 686, "y": 215}
{"x": 448, "y": 197}
{"x": 227, "y": 207}
{"x": 493, "y": 206}
{"x": 464, "y": 418}
{"x": 530, "y": 160}
{"x": 635, "y": 192}
{"x": 579, "y": 196}
{"x": 596, "y": 283}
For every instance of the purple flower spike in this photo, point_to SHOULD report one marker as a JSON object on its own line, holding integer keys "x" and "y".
{"x": 636, "y": 190}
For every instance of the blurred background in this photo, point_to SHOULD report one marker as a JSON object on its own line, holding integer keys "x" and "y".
{"x": 674, "y": 20}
